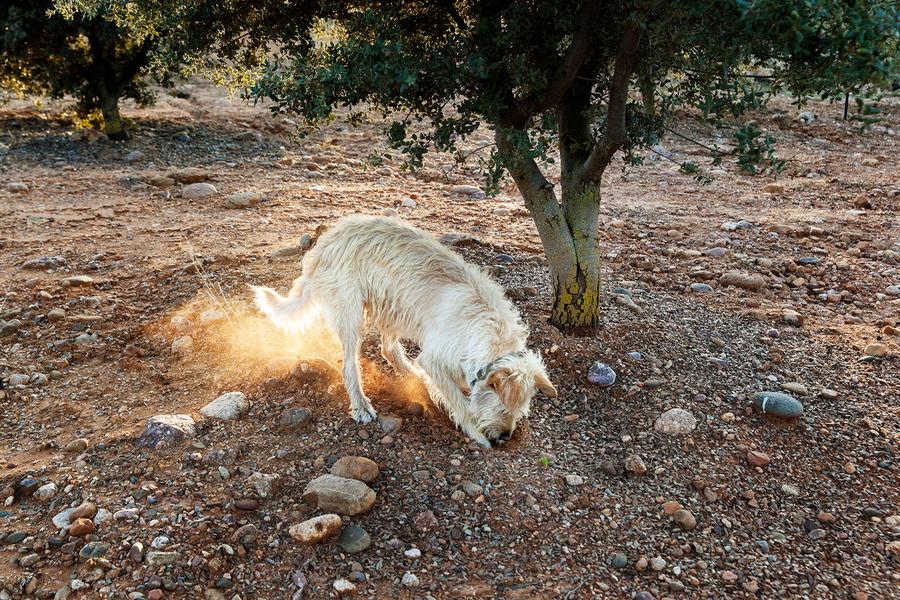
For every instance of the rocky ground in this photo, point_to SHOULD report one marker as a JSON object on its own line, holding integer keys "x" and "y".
{"x": 125, "y": 314}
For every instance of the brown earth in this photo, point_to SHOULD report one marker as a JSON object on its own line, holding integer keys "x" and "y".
{"x": 528, "y": 532}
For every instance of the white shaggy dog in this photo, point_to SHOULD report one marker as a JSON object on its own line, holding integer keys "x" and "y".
{"x": 383, "y": 272}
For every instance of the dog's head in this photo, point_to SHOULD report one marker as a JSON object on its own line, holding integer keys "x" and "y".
{"x": 503, "y": 396}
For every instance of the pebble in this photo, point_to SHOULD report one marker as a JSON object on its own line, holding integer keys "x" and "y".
{"x": 197, "y": 191}
{"x": 354, "y": 539}
{"x": 408, "y": 203}
{"x": 136, "y": 552}
{"x": 746, "y": 281}
{"x": 81, "y": 527}
{"x": 876, "y": 350}
{"x": 684, "y": 519}
{"x": 76, "y": 446}
{"x": 790, "y": 490}
{"x": 634, "y": 464}
{"x": 181, "y": 325}
{"x": 343, "y": 586}
{"x": 78, "y": 281}
{"x": 795, "y": 388}
{"x": 467, "y": 190}
{"x": 44, "y": 262}
{"x": 165, "y": 430}
{"x": 45, "y": 492}
{"x": 413, "y": 553}
{"x": 773, "y": 188}
{"x": 356, "y": 467}
{"x": 16, "y": 187}
{"x": 313, "y": 531}
{"x": 160, "y": 558}
{"x": 339, "y": 494}
{"x": 671, "y": 507}
{"x": 390, "y": 212}
{"x": 829, "y": 394}
{"x": 240, "y": 199}
{"x": 183, "y": 345}
{"x": 601, "y": 374}
{"x": 294, "y": 418}
{"x": 675, "y": 421}
{"x": 245, "y": 535}
{"x": 758, "y": 459}
{"x": 778, "y": 404}
{"x": 94, "y": 550}
{"x": 574, "y": 480}
{"x": 472, "y": 489}
{"x": 729, "y": 577}
{"x": 390, "y": 424}
{"x": 701, "y": 288}
{"x": 62, "y": 519}
{"x": 134, "y": 156}
{"x": 618, "y": 560}
{"x": 409, "y": 580}
{"x": 657, "y": 563}
{"x": 227, "y": 407}
{"x": 265, "y": 484}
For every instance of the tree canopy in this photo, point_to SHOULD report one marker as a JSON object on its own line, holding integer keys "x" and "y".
{"x": 582, "y": 80}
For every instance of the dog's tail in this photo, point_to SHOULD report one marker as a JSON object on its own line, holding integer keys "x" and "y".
{"x": 292, "y": 313}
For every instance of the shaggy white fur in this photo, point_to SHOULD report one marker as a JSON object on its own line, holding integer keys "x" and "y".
{"x": 382, "y": 272}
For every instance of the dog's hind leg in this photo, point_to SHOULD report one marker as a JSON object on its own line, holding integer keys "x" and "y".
{"x": 350, "y": 330}
{"x": 393, "y": 352}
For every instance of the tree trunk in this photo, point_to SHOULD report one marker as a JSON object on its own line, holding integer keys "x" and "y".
{"x": 112, "y": 120}
{"x": 576, "y": 281}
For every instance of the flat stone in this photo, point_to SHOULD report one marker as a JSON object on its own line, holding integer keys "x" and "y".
{"x": 876, "y": 350}
{"x": 356, "y": 467}
{"x": 45, "y": 492}
{"x": 701, "y": 288}
{"x": 795, "y": 388}
{"x": 16, "y": 187}
{"x": 190, "y": 175}
{"x": 78, "y": 281}
{"x": 197, "y": 191}
{"x": 242, "y": 199}
{"x": 778, "y": 404}
{"x": 165, "y": 430}
{"x": 62, "y": 519}
{"x": 354, "y": 539}
{"x": 747, "y": 281}
{"x": 183, "y": 345}
{"x": 227, "y": 407}
{"x": 160, "y": 559}
{"x": 634, "y": 464}
{"x": 339, "y": 494}
{"x": 758, "y": 459}
{"x": 45, "y": 262}
{"x": 675, "y": 421}
{"x": 343, "y": 586}
{"x": 468, "y": 190}
{"x": 313, "y": 531}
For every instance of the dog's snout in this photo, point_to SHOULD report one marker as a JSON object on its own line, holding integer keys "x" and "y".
{"x": 503, "y": 437}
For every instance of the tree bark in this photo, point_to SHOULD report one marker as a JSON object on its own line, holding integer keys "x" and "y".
{"x": 113, "y": 125}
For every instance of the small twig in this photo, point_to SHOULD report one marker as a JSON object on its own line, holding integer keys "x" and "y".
{"x": 571, "y": 592}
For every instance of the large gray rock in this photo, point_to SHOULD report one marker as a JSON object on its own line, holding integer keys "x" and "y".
{"x": 339, "y": 495}
{"x": 746, "y": 281}
{"x": 228, "y": 406}
{"x": 242, "y": 199}
{"x": 165, "y": 430}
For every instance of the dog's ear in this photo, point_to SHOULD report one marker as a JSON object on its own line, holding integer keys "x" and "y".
{"x": 511, "y": 392}
{"x": 542, "y": 382}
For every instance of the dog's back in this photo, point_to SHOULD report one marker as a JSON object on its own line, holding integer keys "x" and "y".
{"x": 403, "y": 276}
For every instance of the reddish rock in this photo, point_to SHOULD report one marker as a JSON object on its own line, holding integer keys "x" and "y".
{"x": 81, "y": 527}
{"x": 758, "y": 459}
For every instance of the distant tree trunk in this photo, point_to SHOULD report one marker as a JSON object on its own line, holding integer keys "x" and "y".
{"x": 112, "y": 119}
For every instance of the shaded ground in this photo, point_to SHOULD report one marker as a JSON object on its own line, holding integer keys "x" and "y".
{"x": 826, "y": 243}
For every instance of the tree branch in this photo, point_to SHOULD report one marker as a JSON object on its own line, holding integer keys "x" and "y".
{"x": 561, "y": 80}
{"x": 616, "y": 134}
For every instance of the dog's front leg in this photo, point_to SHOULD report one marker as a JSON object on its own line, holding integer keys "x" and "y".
{"x": 445, "y": 393}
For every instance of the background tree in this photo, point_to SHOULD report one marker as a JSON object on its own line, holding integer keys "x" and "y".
{"x": 562, "y": 78}
{"x": 101, "y": 51}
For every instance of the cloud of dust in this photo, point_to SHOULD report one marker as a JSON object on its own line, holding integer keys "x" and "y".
{"x": 239, "y": 344}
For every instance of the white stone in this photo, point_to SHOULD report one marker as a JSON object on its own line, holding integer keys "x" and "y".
{"x": 45, "y": 492}
{"x": 183, "y": 345}
{"x": 228, "y": 406}
{"x": 410, "y": 580}
{"x": 208, "y": 317}
{"x": 675, "y": 421}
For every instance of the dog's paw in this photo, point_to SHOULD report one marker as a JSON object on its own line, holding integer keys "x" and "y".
{"x": 363, "y": 415}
